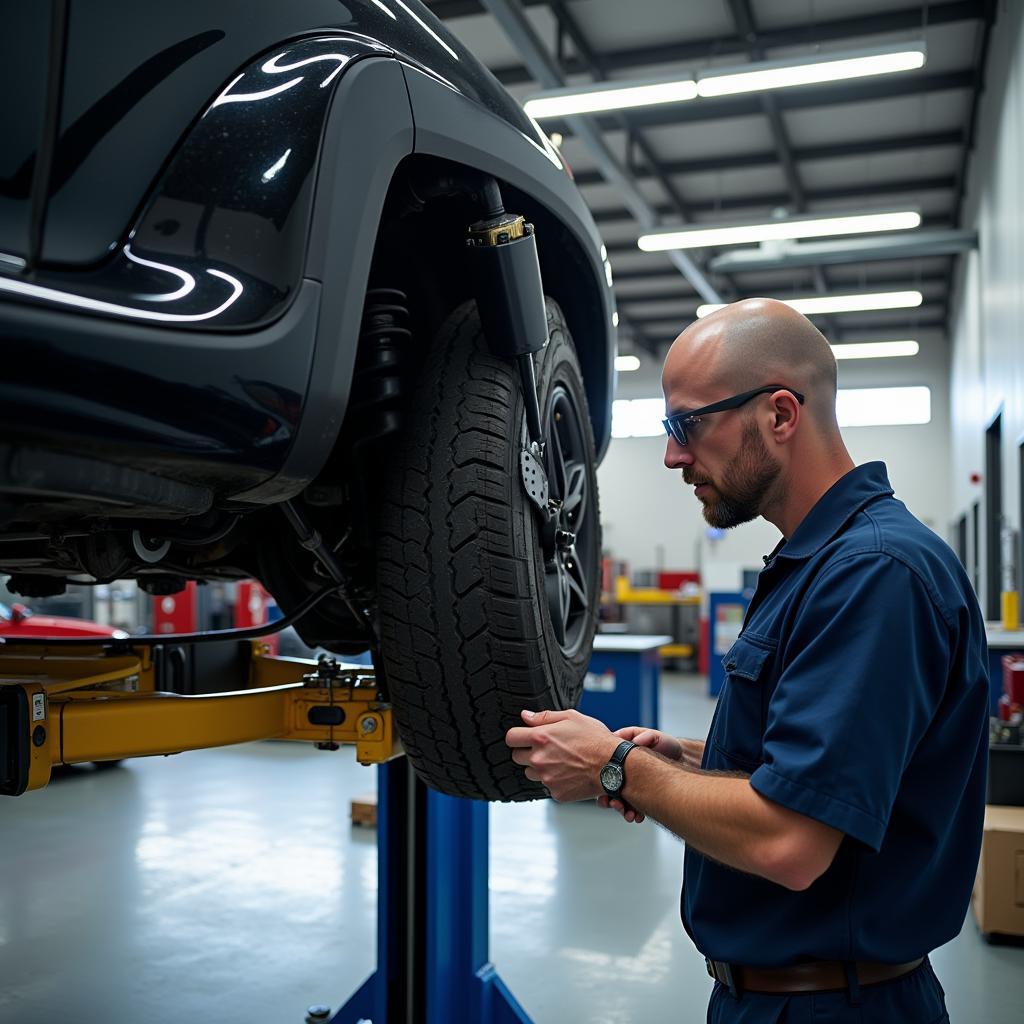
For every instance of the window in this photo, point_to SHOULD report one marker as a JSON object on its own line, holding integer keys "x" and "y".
{"x": 638, "y": 417}
{"x": 882, "y": 407}
{"x": 855, "y": 407}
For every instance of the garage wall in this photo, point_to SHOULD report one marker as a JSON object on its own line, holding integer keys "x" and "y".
{"x": 651, "y": 519}
{"x": 988, "y": 305}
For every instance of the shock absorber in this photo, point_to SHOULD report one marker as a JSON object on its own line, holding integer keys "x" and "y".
{"x": 375, "y": 408}
{"x": 377, "y": 380}
{"x": 510, "y": 297}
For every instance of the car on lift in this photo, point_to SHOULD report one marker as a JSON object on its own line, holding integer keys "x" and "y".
{"x": 298, "y": 292}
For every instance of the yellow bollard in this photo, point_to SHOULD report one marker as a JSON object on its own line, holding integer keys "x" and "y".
{"x": 1011, "y": 610}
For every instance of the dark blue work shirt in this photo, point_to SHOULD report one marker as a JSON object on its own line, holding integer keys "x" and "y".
{"x": 857, "y": 694}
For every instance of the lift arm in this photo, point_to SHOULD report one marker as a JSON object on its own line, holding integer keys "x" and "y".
{"x": 100, "y": 704}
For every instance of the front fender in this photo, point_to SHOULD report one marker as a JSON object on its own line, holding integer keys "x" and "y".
{"x": 573, "y": 260}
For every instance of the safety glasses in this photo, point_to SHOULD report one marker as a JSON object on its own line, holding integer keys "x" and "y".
{"x": 677, "y": 425}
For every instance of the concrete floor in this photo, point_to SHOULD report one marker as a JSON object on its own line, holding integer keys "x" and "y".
{"x": 228, "y": 885}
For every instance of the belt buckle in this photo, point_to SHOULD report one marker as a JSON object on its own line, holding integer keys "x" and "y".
{"x": 727, "y": 977}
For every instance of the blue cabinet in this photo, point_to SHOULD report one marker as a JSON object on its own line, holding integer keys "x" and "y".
{"x": 622, "y": 682}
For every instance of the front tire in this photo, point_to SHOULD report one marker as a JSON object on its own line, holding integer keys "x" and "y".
{"x": 481, "y": 615}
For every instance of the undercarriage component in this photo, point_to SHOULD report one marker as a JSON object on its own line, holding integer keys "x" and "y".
{"x": 31, "y": 585}
{"x": 36, "y": 476}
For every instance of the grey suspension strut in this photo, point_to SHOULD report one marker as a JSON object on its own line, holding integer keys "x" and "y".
{"x": 510, "y": 298}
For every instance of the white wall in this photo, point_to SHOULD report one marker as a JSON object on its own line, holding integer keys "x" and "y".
{"x": 988, "y": 310}
{"x": 652, "y": 520}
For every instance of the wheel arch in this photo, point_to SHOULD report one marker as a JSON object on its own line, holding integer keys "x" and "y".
{"x": 573, "y": 259}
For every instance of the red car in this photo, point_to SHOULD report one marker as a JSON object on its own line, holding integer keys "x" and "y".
{"x": 17, "y": 620}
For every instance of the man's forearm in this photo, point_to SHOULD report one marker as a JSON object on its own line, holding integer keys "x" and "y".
{"x": 693, "y": 752}
{"x": 719, "y": 815}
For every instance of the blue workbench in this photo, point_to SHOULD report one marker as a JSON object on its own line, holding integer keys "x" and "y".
{"x": 622, "y": 683}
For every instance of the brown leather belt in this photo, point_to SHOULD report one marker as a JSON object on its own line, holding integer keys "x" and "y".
{"x": 816, "y": 976}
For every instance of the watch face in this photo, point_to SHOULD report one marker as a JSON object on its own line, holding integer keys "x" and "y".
{"x": 611, "y": 777}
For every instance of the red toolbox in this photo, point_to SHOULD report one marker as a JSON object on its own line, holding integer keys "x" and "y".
{"x": 1013, "y": 677}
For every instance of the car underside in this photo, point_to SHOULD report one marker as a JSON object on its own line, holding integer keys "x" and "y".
{"x": 355, "y": 344}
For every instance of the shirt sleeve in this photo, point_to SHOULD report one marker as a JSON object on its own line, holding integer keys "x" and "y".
{"x": 865, "y": 670}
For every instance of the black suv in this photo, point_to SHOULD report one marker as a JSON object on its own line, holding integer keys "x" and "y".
{"x": 270, "y": 307}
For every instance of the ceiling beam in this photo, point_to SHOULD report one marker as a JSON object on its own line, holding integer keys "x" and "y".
{"x": 768, "y": 157}
{"x": 743, "y": 17}
{"x": 932, "y": 305}
{"x": 595, "y": 68}
{"x": 656, "y": 343}
{"x": 445, "y": 9}
{"x": 774, "y": 200}
{"x": 509, "y": 15}
{"x": 884, "y": 87}
{"x": 880, "y": 283}
{"x": 813, "y": 33}
{"x": 980, "y": 69}
{"x": 898, "y": 245}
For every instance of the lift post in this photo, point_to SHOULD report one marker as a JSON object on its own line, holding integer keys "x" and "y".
{"x": 432, "y": 912}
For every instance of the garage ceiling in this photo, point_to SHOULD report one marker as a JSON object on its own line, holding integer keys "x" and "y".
{"x": 868, "y": 144}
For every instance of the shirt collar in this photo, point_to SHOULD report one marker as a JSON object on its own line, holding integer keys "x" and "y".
{"x": 847, "y": 496}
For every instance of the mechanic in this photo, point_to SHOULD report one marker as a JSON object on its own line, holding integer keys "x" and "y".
{"x": 833, "y": 817}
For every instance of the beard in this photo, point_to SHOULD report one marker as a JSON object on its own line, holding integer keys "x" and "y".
{"x": 746, "y": 481}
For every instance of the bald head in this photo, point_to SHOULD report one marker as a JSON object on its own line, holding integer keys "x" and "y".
{"x": 755, "y": 342}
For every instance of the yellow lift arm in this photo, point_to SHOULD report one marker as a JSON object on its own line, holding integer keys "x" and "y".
{"x": 100, "y": 704}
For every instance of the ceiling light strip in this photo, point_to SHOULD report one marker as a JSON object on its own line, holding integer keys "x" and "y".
{"x": 779, "y": 230}
{"x": 754, "y": 77}
{"x": 818, "y": 305}
{"x": 785, "y": 75}
{"x": 565, "y": 102}
{"x": 875, "y": 349}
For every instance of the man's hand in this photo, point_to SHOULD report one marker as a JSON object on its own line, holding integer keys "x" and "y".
{"x": 688, "y": 752}
{"x": 564, "y": 751}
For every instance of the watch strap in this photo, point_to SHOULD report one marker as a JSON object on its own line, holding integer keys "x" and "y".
{"x": 621, "y": 751}
{"x": 616, "y": 760}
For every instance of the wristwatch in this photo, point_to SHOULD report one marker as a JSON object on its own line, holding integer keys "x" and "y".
{"x": 613, "y": 774}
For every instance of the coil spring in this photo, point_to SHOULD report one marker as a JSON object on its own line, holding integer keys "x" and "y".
{"x": 377, "y": 380}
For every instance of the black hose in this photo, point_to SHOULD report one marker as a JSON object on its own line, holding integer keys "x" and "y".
{"x": 206, "y": 636}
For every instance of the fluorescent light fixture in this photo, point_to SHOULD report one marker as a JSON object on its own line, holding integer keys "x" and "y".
{"x": 818, "y": 305}
{"x": 777, "y": 230}
{"x": 752, "y": 77}
{"x": 624, "y": 364}
{"x": 875, "y": 349}
{"x": 592, "y": 99}
{"x": 784, "y": 74}
{"x": 883, "y": 407}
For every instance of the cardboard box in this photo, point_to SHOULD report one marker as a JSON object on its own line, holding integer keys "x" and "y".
{"x": 998, "y": 898}
{"x": 364, "y": 810}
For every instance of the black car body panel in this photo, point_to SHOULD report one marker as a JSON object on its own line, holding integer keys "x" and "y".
{"x": 24, "y": 70}
{"x": 195, "y": 305}
{"x": 137, "y": 75}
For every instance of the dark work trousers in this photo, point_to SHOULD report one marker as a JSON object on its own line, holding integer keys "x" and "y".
{"x": 915, "y": 998}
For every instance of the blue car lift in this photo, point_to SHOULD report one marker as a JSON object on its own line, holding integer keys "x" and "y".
{"x": 432, "y": 912}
